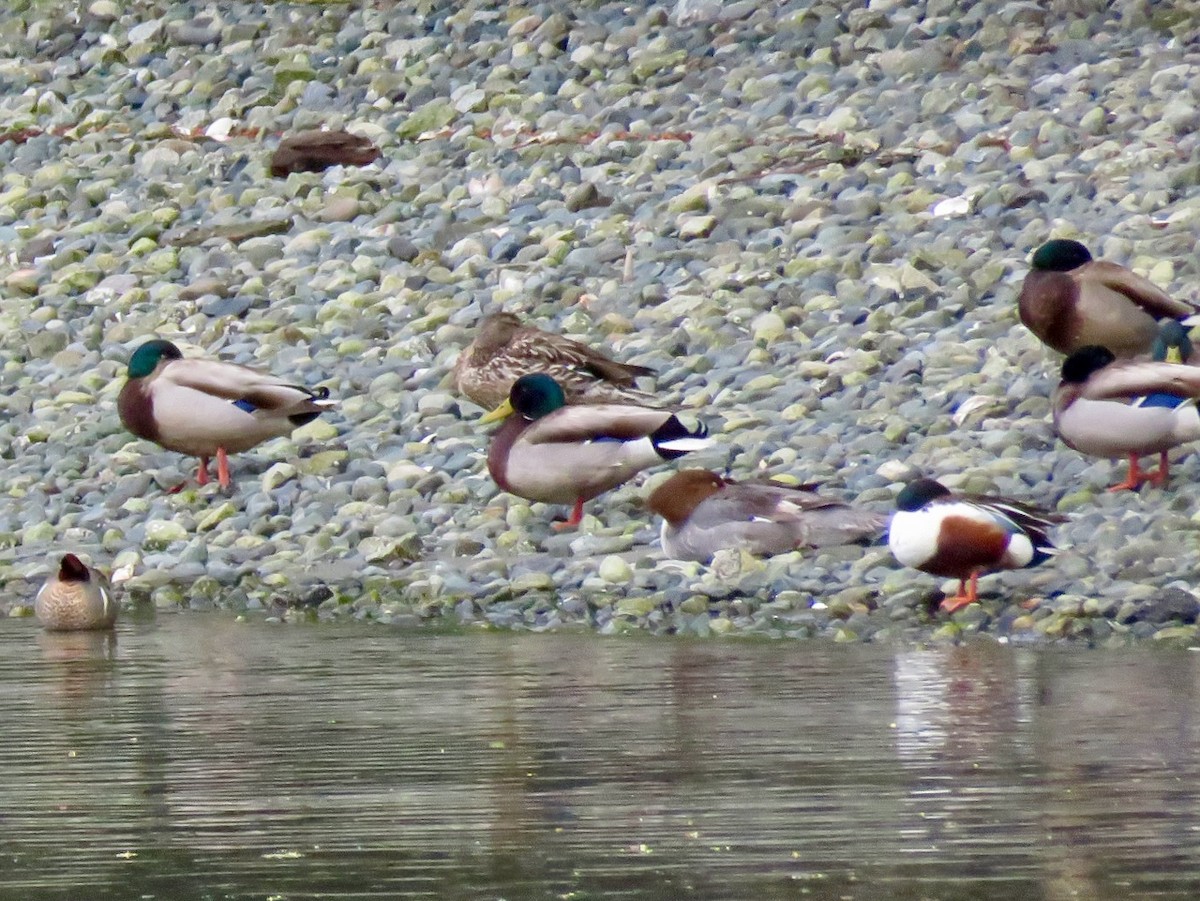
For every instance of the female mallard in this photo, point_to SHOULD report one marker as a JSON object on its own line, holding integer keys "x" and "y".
{"x": 1107, "y": 408}
{"x": 962, "y": 536}
{"x": 704, "y": 513}
{"x": 75, "y": 598}
{"x": 504, "y": 350}
{"x": 1070, "y": 300}
{"x": 207, "y": 408}
{"x": 551, "y": 452}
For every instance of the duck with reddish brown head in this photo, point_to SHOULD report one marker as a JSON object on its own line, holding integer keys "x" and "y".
{"x": 704, "y": 513}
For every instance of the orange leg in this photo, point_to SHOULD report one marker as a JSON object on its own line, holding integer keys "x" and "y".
{"x": 1135, "y": 478}
{"x": 201, "y": 477}
{"x": 222, "y": 468}
{"x": 1159, "y": 479}
{"x": 968, "y": 593}
{"x": 573, "y": 521}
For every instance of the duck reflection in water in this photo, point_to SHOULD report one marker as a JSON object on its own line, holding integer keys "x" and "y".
{"x": 84, "y": 662}
{"x": 1088, "y": 755}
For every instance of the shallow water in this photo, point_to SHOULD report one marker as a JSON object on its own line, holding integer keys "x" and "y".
{"x": 202, "y": 758}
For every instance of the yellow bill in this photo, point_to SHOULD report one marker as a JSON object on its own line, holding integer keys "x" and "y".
{"x": 501, "y": 412}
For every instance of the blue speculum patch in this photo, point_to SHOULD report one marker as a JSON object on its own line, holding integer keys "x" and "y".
{"x": 1161, "y": 399}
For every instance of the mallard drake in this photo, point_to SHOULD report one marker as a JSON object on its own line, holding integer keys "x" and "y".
{"x": 504, "y": 350}
{"x": 1171, "y": 346}
{"x": 703, "y": 513}
{"x": 962, "y": 536}
{"x": 549, "y": 451}
{"x": 74, "y": 598}
{"x": 1109, "y": 408}
{"x": 207, "y": 408}
{"x": 1069, "y": 300}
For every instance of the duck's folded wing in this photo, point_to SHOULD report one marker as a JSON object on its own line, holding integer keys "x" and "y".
{"x": 810, "y": 520}
{"x": 769, "y": 501}
{"x": 613, "y": 371}
{"x": 737, "y": 503}
{"x": 1017, "y": 517}
{"x": 1141, "y": 291}
{"x": 234, "y": 383}
{"x": 545, "y": 347}
{"x": 570, "y": 425}
{"x": 1133, "y": 378}
{"x": 550, "y": 349}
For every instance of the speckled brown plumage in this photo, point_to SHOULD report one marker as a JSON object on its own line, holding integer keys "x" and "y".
{"x": 75, "y": 597}
{"x": 504, "y": 350}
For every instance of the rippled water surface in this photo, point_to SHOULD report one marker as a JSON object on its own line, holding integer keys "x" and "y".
{"x": 203, "y": 758}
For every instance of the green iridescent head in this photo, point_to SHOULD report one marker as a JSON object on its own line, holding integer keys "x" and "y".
{"x": 536, "y": 395}
{"x": 147, "y": 357}
{"x": 1060, "y": 255}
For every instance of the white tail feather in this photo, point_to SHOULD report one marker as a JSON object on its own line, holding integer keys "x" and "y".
{"x": 684, "y": 444}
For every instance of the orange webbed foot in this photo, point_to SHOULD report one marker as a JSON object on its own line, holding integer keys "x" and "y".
{"x": 1127, "y": 485}
{"x": 968, "y": 593}
{"x": 956, "y": 603}
{"x": 201, "y": 477}
{"x": 573, "y": 520}
{"x": 1137, "y": 477}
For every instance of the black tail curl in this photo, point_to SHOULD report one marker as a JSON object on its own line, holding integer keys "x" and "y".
{"x": 673, "y": 430}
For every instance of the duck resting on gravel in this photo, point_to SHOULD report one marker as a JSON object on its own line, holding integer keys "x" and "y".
{"x": 963, "y": 536}
{"x": 206, "y": 408}
{"x": 1069, "y": 300}
{"x": 703, "y": 513}
{"x": 1106, "y": 407}
{"x": 504, "y": 350}
{"x": 550, "y": 451}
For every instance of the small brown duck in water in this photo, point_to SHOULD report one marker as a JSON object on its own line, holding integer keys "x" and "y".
{"x": 504, "y": 350}
{"x": 74, "y": 598}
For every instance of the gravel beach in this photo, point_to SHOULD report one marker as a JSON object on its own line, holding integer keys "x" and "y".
{"x": 811, "y": 218}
